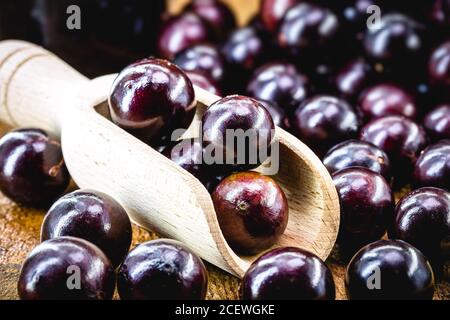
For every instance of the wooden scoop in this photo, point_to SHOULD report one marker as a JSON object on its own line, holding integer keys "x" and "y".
{"x": 38, "y": 90}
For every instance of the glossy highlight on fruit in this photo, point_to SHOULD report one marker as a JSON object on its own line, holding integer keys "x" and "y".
{"x": 203, "y": 82}
{"x": 367, "y": 206}
{"x": 403, "y": 273}
{"x": 432, "y": 168}
{"x": 437, "y": 122}
{"x": 272, "y": 12}
{"x": 162, "y": 270}
{"x": 225, "y": 125}
{"x": 32, "y": 168}
{"x": 47, "y": 271}
{"x": 439, "y": 66}
{"x": 280, "y": 83}
{"x": 92, "y": 216}
{"x": 181, "y": 32}
{"x": 422, "y": 218}
{"x": 324, "y": 121}
{"x": 356, "y": 153}
{"x": 150, "y": 97}
{"x": 252, "y": 211}
{"x": 288, "y": 274}
{"x": 353, "y": 77}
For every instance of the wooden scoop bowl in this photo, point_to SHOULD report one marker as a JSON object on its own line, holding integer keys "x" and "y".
{"x": 38, "y": 90}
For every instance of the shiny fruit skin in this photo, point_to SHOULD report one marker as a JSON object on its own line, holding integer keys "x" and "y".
{"x": 252, "y": 211}
{"x": 278, "y": 114}
{"x": 32, "y": 169}
{"x": 237, "y": 113}
{"x": 181, "y": 32}
{"x": 352, "y": 78}
{"x": 401, "y": 139}
{"x": 150, "y": 97}
{"x": 324, "y": 121}
{"x": 162, "y": 270}
{"x": 404, "y": 272}
{"x": 386, "y": 99}
{"x": 272, "y": 12}
{"x": 439, "y": 66}
{"x": 280, "y": 83}
{"x": 288, "y": 274}
{"x": 216, "y": 13}
{"x": 422, "y": 218}
{"x": 432, "y": 168}
{"x": 437, "y": 123}
{"x": 92, "y": 216}
{"x": 203, "y": 82}
{"x": 367, "y": 206}
{"x": 46, "y": 271}
{"x": 205, "y": 59}
{"x": 356, "y": 153}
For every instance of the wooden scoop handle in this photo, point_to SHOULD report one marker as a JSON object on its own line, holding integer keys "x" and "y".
{"x": 35, "y": 86}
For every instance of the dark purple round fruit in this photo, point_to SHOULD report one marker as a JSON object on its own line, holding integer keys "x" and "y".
{"x": 356, "y": 153}
{"x": 280, "y": 83}
{"x": 386, "y": 99}
{"x": 188, "y": 154}
{"x": 182, "y": 32}
{"x": 324, "y": 121}
{"x": 389, "y": 270}
{"x": 439, "y": 66}
{"x": 307, "y": 28}
{"x": 422, "y": 218}
{"x": 216, "y": 13}
{"x": 288, "y": 274}
{"x": 401, "y": 139}
{"x": 150, "y": 97}
{"x": 351, "y": 79}
{"x": 202, "y": 81}
{"x": 244, "y": 50}
{"x": 162, "y": 270}
{"x": 441, "y": 13}
{"x": 32, "y": 169}
{"x": 432, "y": 168}
{"x": 278, "y": 114}
{"x": 252, "y": 211}
{"x": 367, "y": 206}
{"x": 205, "y": 59}
{"x": 437, "y": 122}
{"x": 66, "y": 268}
{"x": 272, "y": 12}
{"x": 237, "y": 133}
{"x": 395, "y": 40}
{"x": 92, "y": 216}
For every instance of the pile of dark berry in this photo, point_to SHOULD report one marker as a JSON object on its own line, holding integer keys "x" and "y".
{"x": 369, "y": 93}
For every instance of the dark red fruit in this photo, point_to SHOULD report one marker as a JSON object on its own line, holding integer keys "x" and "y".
{"x": 224, "y": 125}
{"x": 278, "y": 114}
{"x": 307, "y": 28}
{"x": 432, "y": 168}
{"x": 202, "y": 81}
{"x": 32, "y": 169}
{"x": 280, "y": 83}
{"x": 252, "y": 211}
{"x": 437, "y": 123}
{"x": 441, "y": 12}
{"x": 150, "y": 97}
{"x": 162, "y": 270}
{"x": 324, "y": 121}
{"x": 288, "y": 274}
{"x": 439, "y": 66}
{"x": 386, "y": 99}
{"x": 216, "y": 13}
{"x": 355, "y": 153}
{"x": 422, "y": 218}
{"x": 401, "y": 139}
{"x": 182, "y": 32}
{"x": 51, "y": 271}
{"x": 92, "y": 216}
{"x": 389, "y": 270}
{"x": 367, "y": 206}
{"x": 395, "y": 40}
{"x": 351, "y": 79}
{"x": 272, "y": 12}
{"x": 203, "y": 58}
